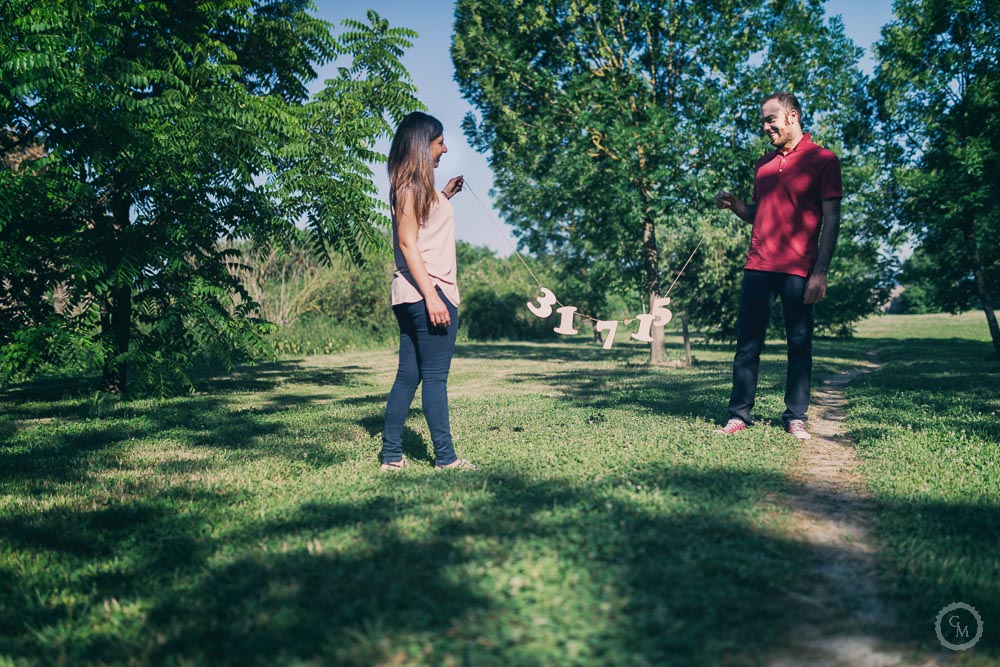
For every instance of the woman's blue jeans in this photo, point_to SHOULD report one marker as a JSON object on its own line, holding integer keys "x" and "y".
{"x": 424, "y": 356}
{"x": 760, "y": 289}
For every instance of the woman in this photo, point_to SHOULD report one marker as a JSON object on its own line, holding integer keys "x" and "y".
{"x": 424, "y": 291}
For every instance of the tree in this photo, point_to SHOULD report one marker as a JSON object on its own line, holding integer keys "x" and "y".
{"x": 938, "y": 86}
{"x": 167, "y": 128}
{"x": 611, "y": 124}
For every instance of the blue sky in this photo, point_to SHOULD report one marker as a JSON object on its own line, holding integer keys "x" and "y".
{"x": 429, "y": 64}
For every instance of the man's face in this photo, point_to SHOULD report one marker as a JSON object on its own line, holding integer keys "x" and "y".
{"x": 778, "y": 124}
{"x": 437, "y": 150}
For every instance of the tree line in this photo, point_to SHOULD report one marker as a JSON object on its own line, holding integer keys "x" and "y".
{"x": 636, "y": 113}
{"x": 148, "y": 147}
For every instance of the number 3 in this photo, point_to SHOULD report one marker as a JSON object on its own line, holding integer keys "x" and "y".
{"x": 545, "y": 302}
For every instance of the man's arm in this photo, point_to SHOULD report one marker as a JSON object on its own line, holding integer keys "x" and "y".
{"x": 816, "y": 285}
{"x": 743, "y": 211}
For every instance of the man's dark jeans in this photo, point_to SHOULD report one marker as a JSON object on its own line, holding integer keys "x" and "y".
{"x": 424, "y": 356}
{"x": 759, "y": 291}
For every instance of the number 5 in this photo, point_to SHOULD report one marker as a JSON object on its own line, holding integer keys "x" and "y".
{"x": 663, "y": 315}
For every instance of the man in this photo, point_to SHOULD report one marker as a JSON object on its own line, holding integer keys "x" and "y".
{"x": 795, "y": 213}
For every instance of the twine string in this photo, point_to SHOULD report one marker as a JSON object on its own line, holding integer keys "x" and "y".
{"x": 493, "y": 219}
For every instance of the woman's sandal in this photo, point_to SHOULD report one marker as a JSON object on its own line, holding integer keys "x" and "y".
{"x": 395, "y": 465}
{"x": 458, "y": 464}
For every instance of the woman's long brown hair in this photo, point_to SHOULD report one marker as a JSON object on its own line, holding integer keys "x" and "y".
{"x": 410, "y": 164}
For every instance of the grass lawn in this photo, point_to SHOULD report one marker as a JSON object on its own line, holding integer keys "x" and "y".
{"x": 249, "y": 524}
{"x": 928, "y": 430}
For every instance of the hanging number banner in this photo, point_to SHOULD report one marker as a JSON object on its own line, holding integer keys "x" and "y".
{"x": 660, "y": 316}
{"x": 543, "y": 306}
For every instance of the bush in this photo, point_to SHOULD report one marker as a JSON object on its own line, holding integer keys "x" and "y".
{"x": 325, "y": 309}
{"x": 495, "y": 292}
{"x": 487, "y": 315}
{"x": 913, "y": 300}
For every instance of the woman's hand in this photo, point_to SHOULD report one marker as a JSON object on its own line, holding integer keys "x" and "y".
{"x": 437, "y": 311}
{"x": 454, "y": 187}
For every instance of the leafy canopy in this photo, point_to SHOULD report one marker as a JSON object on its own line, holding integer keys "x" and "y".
{"x": 167, "y": 127}
{"x": 611, "y": 125}
{"x": 938, "y": 87}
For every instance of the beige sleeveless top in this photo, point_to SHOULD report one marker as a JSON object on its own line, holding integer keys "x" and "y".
{"x": 436, "y": 243}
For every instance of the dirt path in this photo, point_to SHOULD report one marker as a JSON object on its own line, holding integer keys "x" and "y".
{"x": 841, "y": 621}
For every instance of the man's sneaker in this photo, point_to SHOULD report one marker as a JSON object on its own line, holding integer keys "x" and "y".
{"x": 797, "y": 427}
{"x": 734, "y": 425}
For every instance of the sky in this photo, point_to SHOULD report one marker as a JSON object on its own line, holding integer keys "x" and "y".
{"x": 430, "y": 67}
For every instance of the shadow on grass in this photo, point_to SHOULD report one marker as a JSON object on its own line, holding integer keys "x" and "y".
{"x": 531, "y": 572}
{"x": 71, "y": 434}
{"x": 936, "y": 552}
{"x": 700, "y": 392}
{"x": 949, "y": 556}
{"x": 68, "y": 454}
{"x": 272, "y": 375}
{"x": 636, "y": 585}
{"x": 576, "y": 351}
{"x": 415, "y": 447}
{"x": 932, "y": 383}
{"x": 80, "y": 399}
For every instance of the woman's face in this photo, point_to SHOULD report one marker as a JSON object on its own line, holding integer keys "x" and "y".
{"x": 437, "y": 150}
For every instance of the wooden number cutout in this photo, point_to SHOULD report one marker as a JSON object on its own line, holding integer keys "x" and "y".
{"x": 645, "y": 326}
{"x": 545, "y": 302}
{"x": 566, "y": 323}
{"x": 663, "y": 314}
{"x": 611, "y": 326}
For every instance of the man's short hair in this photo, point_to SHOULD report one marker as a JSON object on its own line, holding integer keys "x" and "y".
{"x": 786, "y": 100}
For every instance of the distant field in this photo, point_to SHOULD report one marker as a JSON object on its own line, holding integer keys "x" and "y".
{"x": 968, "y": 326}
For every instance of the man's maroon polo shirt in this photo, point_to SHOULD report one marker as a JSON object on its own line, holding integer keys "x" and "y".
{"x": 789, "y": 191}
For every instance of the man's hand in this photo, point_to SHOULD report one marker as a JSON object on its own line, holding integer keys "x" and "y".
{"x": 726, "y": 200}
{"x": 815, "y": 288}
{"x": 736, "y": 205}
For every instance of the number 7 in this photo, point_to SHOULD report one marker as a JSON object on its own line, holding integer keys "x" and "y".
{"x": 611, "y": 326}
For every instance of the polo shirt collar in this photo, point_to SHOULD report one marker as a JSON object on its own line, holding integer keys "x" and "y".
{"x": 804, "y": 144}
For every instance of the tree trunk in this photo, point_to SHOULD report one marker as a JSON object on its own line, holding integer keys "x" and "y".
{"x": 991, "y": 320}
{"x": 116, "y": 311}
{"x": 116, "y": 334}
{"x": 984, "y": 296}
{"x": 652, "y": 267}
{"x": 686, "y": 334}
